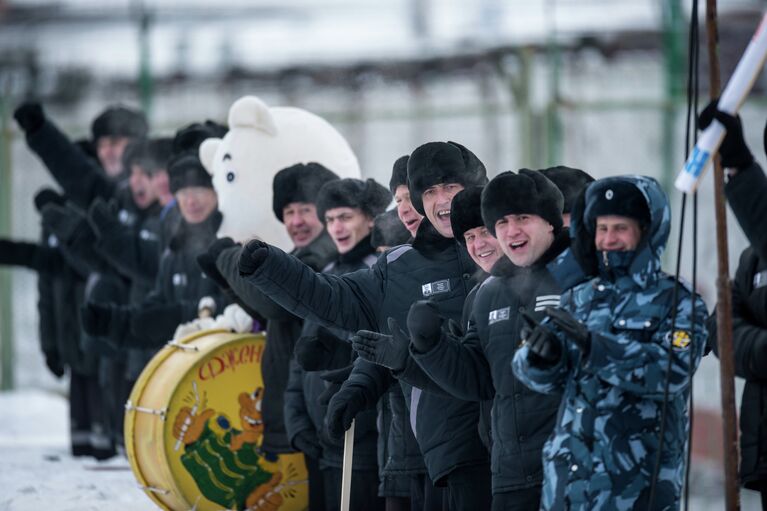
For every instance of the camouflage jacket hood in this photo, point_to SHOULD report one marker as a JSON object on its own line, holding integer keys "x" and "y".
{"x": 642, "y": 265}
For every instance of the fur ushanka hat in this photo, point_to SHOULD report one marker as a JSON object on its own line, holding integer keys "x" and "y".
{"x": 370, "y": 197}
{"x": 527, "y": 193}
{"x": 298, "y": 183}
{"x": 466, "y": 212}
{"x": 437, "y": 163}
{"x": 399, "y": 173}
{"x": 571, "y": 182}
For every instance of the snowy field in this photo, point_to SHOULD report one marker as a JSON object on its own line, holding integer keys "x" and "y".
{"x": 37, "y": 472}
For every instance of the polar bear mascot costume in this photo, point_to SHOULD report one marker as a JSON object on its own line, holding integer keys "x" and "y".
{"x": 261, "y": 141}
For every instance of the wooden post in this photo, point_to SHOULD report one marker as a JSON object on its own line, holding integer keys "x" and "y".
{"x": 724, "y": 295}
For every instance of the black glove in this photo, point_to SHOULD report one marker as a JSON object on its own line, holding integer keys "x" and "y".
{"x": 425, "y": 325}
{"x": 157, "y": 321}
{"x": 334, "y": 378}
{"x": 54, "y": 364}
{"x": 102, "y": 216}
{"x": 322, "y": 351}
{"x": 571, "y": 327}
{"x": 734, "y": 151}
{"x": 207, "y": 261}
{"x": 96, "y": 319}
{"x": 253, "y": 254}
{"x": 308, "y": 444}
{"x": 342, "y": 409}
{"x": 30, "y": 117}
{"x": 46, "y": 196}
{"x": 390, "y": 351}
{"x": 545, "y": 347}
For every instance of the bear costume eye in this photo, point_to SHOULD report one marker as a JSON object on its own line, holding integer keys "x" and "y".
{"x": 230, "y": 176}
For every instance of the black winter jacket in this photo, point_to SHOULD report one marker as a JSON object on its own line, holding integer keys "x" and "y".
{"x": 282, "y": 331}
{"x": 745, "y": 193}
{"x": 179, "y": 286}
{"x": 303, "y": 410}
{"x": 479, "y": 367}
{"x": 434, "y": 267}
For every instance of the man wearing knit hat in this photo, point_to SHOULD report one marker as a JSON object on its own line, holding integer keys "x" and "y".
{"x": 524, "y": 212}
{"x": 377, "y": 300}
{"x": 347, "y": 208}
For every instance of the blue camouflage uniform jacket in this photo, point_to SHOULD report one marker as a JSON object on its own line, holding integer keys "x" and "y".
{"x": 602, "y": 452}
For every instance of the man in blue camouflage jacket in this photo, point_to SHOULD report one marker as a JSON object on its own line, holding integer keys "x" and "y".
{"x": 607, "y": 350}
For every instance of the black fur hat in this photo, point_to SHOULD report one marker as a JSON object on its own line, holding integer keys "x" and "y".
{"x": 620, "y": 198}
{"x": 368, "y": 196}
{"x": 388, "y": 230}
{"x": 298, "y": 183}
{"x": 528, "y": 192}
{"x": 119, "y": 121}
{"x": 399, "y": 173}
{"x": 466, "y": 212}
{"x": 571, "y": 182}
{"x": 185, "y": 169}
{"x": 436, "y": 163}
{"x": 190, "y": 137}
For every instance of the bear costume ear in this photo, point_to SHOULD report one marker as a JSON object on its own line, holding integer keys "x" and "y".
{"x": 207, "y": 152}
{"x": 251, "y": 112}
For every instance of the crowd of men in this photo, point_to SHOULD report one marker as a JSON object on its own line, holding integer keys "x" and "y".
{"x": 508, "y": 343}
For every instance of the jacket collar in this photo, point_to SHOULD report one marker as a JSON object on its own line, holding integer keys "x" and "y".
{"x": 318, "y": 253}
{"x": 196, "y": 237}
{"x": 429, "y": 242}
{"x": 359, "y": 252}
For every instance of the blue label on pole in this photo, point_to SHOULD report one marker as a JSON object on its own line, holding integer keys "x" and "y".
{"x": 697, "y": 162}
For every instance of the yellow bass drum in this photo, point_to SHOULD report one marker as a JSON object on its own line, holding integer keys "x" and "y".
{"x": 193, "y": 429}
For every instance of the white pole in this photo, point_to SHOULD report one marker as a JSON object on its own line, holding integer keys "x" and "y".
{"x": 346, "y": 471}
{"x": 730, "y": 102}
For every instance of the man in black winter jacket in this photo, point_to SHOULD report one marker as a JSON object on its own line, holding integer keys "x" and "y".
{"x": 378, "y": 299}
{"x": 347, "y": 208}
{"x": 524, "y": 212}
{"x": 295, "y": 191}
{"x": 746, "y": 189}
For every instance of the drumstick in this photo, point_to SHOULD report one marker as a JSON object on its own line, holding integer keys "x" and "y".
{"x": 346, "y": 474}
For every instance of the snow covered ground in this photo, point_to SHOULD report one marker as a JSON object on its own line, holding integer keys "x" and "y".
{"x": 37, "y": 472}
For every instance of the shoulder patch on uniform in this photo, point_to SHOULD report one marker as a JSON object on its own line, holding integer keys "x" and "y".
{"x": 680, "y": 340}
{"x": 760, "y": 279}
{"x": 396, "y": 253}
{"x": 435, "y": 288}
{"x": 328, "y": 267}
{"x": 498, "y": 315}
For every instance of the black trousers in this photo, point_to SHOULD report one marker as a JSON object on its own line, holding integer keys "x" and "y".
{"x": 88, "y": 418}
{"x": 528, "y": 499}
{"x": 364, "y": 490}
{"x": 316, "y": 484}
{"x": 424, "y": 495}
{"x": 469, "y": 488}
